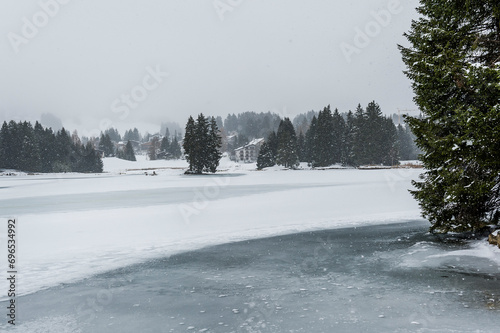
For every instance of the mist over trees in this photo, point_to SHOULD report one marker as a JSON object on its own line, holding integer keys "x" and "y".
{"x": 319, "y": 138}
{"x": 251, "y": 124}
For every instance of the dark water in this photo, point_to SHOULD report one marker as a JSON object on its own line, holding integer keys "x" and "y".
{"x": 345, "y": 280}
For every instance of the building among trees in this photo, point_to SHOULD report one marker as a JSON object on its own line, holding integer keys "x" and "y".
{"x": 249, "y": 152}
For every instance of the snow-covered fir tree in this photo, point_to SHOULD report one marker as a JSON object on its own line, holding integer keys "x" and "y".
{"x": 127, "y": 153}
{"x": 287, "y": 145}
{"x": 265, "y": 159}
{"x": 454, "y": 63}
{"x": 202, "y": 144}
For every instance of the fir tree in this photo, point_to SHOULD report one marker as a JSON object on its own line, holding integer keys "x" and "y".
{"x": 113, "y": 134}
{"x": 359, "y": 139}
{"x": 136, "y": 136}
{"x": 6, "y": 153}
{"x": 453, "y": 62}
{"x": 45, "y": 139}
{"x": 213, "y": 147}
{"x": 189, "y": 143}
{"x": 325, "y": 140}
{"x": 127, "y": 153}
{"x": 348, "y": 140}
{"x": 311, "y": 140}
{"x": 63, "y": 152}
{"x": 165, "y": 146}
{"x": 265, "y": 158}
{"x": 93, "y": 162}
{"x": 374, "y": 144}
{"x": 201, "y": 150}
{"x": 287, "y": 145}
{"x": 272, "y": 141}
{"x": 29, "y": 156}
{"x": 106, "y": 145}
{"x": 301, "y": 147}
{"x": 405, "y": 143}
{"x": 202, "y": 144}
{"x": 338, "y": 130}
{"x": 175, "y": 148}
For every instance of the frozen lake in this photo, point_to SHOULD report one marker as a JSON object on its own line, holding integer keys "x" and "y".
{"x": 386, "y": 278}
{"x": 239, "y": 251}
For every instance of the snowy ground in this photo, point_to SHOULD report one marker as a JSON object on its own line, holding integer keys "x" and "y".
{"x": 72, "y": 226}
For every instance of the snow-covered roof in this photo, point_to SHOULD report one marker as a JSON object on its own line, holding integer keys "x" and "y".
{"x": 254, "y": 142}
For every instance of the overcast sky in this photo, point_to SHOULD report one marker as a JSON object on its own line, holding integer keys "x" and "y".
{"x": 124, "y": 63}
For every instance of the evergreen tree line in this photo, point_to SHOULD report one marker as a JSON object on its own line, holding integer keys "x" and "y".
{"x": 361, "y": 138}
{"x": 38, "y": 149}
{"x": 202, "y": 143}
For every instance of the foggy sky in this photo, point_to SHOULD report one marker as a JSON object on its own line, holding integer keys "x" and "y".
{"x": 125, "y": 63}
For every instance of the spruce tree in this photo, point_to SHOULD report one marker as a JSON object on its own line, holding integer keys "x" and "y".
{"x": 405, "y": 143}
{"x": 311, "y": 143}
{"x": 325, "y": 138}
{"x": 29, "y": 156}
{"x": 106, "y": 145}
{"x": 287, "y": 145}
{"x": 213, "y": 146}
{"x": 373, "y": 128}
{"x": 189, "y": 143}
{"x": 348, "y": 140}
{"x": 88, "y": 160}
{"x": 5, "y": 150}
{"x": 265, "y": 158}
{"x": 453, "y": 62}
{"x": 202, "y": 144}
{"x": 201, "y": 154}
{"x": 127, "y": 153}
{"x": 301, "y": 147}
{"x": 165, "y": 146}
{"x": 175, "y": 148}
{"x": 359, "y": 139}
{"x": 113, "y": 134}
{"x": 63, "y": 152}
{"x": 338, "y": 130}
{"x": 272, "y": 141}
